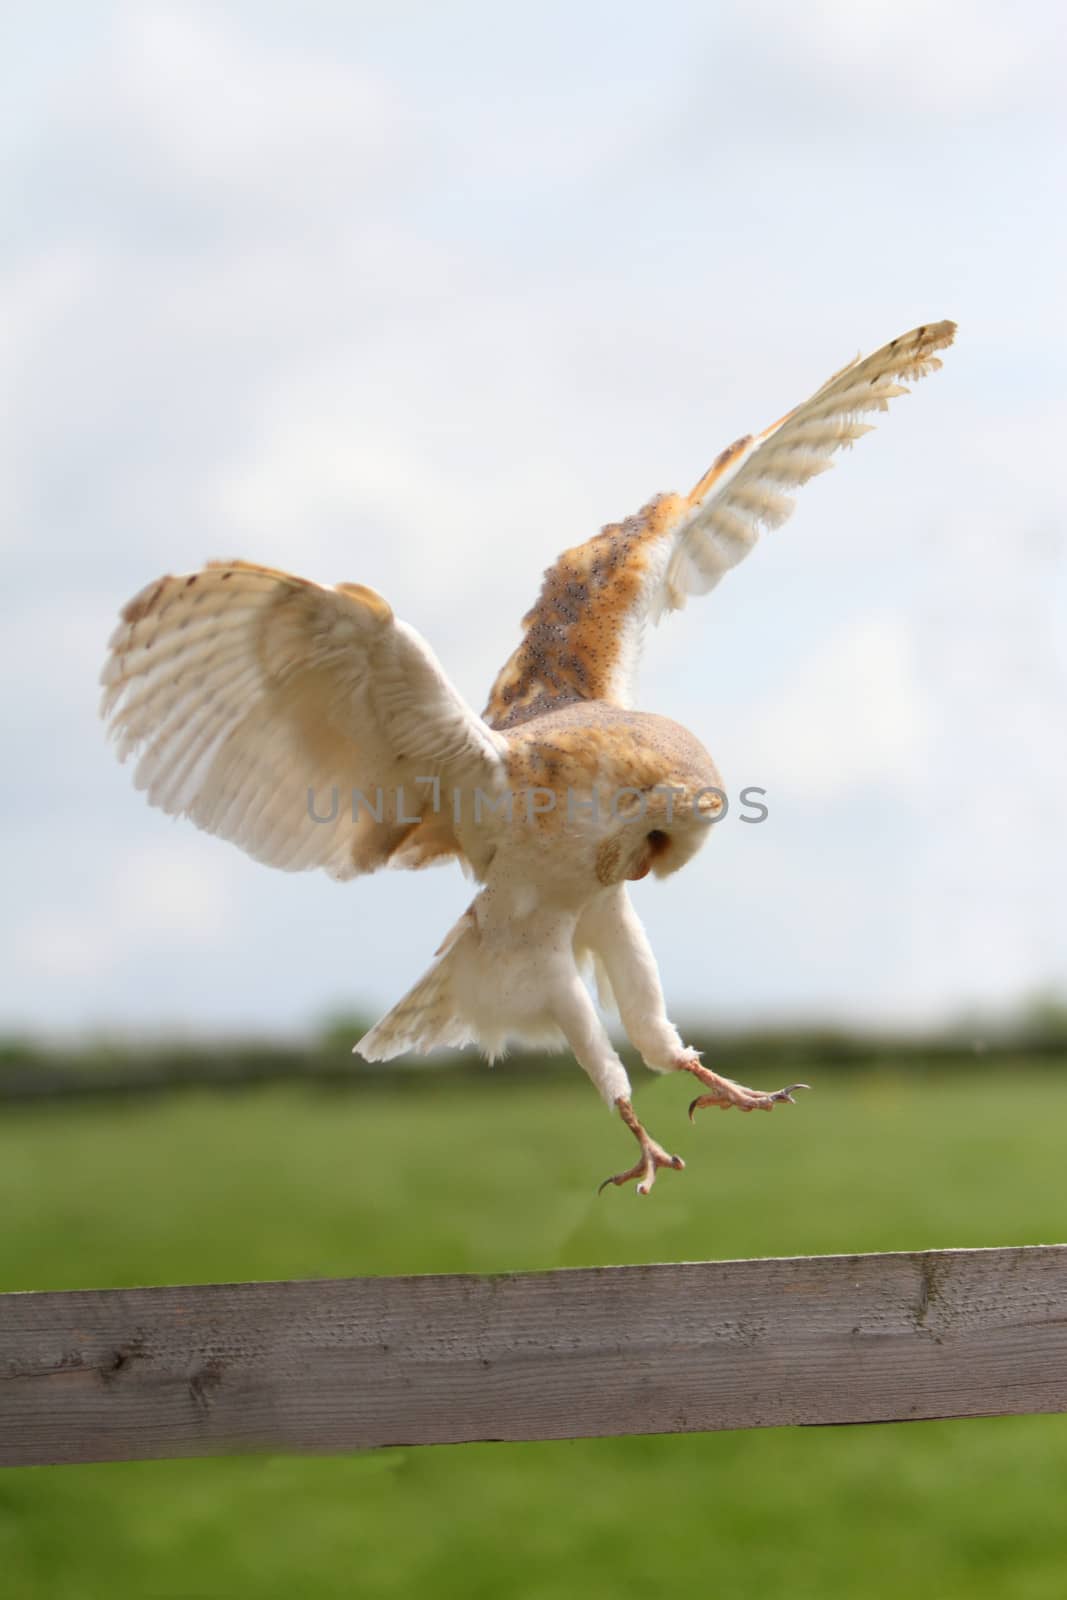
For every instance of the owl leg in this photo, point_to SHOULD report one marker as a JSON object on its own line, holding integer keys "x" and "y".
{"x": 594, "y": 1052}
{"x": 724, "y": 1092}
{"x": 653, "y": 1155}
{"x": 613, "y": 928}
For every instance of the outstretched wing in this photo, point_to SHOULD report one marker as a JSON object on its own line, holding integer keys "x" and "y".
{"x": 258, "y": 704}
{"x": 582, "y": 639}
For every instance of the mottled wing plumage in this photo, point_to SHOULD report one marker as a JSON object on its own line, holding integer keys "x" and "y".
{"x": 243, "y": 690}
{"x": 745, "y": 489}
{"x": 582, "y": 639}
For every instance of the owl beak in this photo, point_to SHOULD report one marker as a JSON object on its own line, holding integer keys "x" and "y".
{"x": 655, "y": 845}
{"x": 641, "y": 867}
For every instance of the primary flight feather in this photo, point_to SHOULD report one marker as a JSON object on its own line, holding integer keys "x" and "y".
{"x": 313, "y": 728}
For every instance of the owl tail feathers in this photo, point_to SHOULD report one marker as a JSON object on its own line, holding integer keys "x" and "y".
{"x": 429, "y": 1015}
{"x": 473, "y": 994}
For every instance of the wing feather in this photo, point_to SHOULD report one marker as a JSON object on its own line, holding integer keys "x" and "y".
{"x": 583, "y": 637}
{"x": 742, "y": 493}
{"x": 250, "y": 697}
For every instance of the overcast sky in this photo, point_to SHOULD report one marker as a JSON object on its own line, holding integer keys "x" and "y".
{"x": 415, "y": 296}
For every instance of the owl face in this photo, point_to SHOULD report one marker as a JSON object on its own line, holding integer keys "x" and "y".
{"x": 667, "y": 829}
{"x": 641, "y": 793}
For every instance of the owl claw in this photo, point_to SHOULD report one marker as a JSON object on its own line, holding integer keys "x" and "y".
{"x": 653, "y": 1156}
{"x": 724, "y": 1092}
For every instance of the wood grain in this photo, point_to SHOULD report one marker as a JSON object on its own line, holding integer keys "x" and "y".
{"x": 347, "y": 1364}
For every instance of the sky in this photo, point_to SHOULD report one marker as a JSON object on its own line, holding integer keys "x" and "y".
{"x": 417, "y": 295}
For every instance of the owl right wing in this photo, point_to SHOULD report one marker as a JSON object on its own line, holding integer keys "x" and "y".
{"x": 582, "y": 639}
{"x": 258, "y": 703}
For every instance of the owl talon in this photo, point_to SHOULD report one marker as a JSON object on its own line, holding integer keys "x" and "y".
{"x": 653, "y": 1156}
{"x": 724, "y": 1092}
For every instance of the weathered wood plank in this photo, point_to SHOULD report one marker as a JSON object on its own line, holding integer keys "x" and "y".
{"x": 348, "y": 1364}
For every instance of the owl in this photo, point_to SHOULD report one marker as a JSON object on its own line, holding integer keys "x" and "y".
{"x": 315, "y": 729}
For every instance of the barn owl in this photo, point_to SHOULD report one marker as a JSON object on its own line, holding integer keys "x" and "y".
{"x": 313, "y": 728}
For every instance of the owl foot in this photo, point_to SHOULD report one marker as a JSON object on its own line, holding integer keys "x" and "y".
{"x": 724, "y": 1092}
{"x": 653, "y": 1155}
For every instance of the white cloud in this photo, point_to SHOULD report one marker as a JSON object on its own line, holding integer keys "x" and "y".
{"x": 36, "y": 296}
{"x": 54, "y": 948}
{"x": 946, "y": 57}
{"x": 853, "y": 714}
{"x": 173, "y": 891}
{"x": 224, "y": 121}
{"x": 165, "y": 897}
{"x": 226, "y": 110}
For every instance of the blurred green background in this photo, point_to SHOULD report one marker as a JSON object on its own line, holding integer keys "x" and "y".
{"x": 460, "y": 1170}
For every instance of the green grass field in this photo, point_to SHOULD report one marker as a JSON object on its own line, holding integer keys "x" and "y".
{"x": 496, "y": 1176}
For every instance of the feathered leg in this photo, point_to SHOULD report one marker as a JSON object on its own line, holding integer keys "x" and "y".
{"x": 613, "y": 929}
{"x": 593, "y": 1050}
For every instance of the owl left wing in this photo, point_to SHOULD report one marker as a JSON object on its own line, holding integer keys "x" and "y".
{"x": 582, "y": 639}
{"x": 308, "y": 725}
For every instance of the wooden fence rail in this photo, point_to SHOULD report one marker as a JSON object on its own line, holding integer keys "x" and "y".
{"x": 346, "y": 1364}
